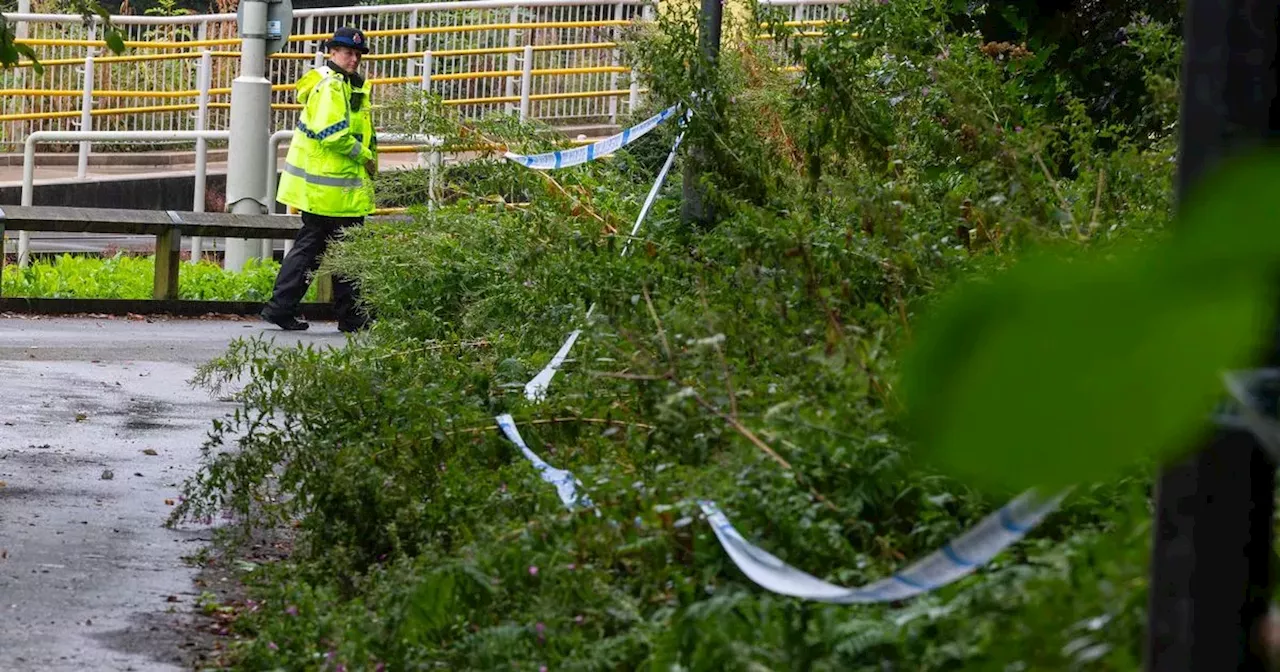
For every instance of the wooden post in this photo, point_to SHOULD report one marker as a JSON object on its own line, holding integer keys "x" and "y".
{"x": 324, "y": 288}
{"x": 1210, "y": 565}
{"x": 168, "y": 254}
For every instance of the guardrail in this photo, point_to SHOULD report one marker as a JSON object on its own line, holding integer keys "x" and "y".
{"x": 87, "y": 137}
{"x": 168, "y": 227}
{"x": 476, "y": 51}
{"x": 427, "y": 147}
{"x": 555, "y": 60}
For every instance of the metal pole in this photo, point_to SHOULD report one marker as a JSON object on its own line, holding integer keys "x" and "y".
{"x": 202, "y": 147}
{"x": 21, "y": 31}
{"x": 86, "y": 115}
{"x": 411, "y": 40}
{"x": 426, "y": 71}
{"x": 273, "y": 165}
{"x": 432, "y": 173}
{"x": 693, "y": 207}
{"x": 633, "y": 101}
{"x": 250, "y": 116}
{"x": 1212, "y": 538}
{"x": 616, "y": 59}
{"x": 309, "y": 27}
{"x": 512, "y": 36}
{"x": 526, "y": 82}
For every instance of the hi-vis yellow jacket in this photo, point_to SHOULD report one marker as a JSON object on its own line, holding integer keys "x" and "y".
{"x": 324, "y": 171}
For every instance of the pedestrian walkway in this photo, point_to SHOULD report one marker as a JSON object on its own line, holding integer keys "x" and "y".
{"x": 100, "y": 429}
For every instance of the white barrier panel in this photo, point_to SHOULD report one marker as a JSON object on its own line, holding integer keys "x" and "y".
{"x": 580, "y": 155}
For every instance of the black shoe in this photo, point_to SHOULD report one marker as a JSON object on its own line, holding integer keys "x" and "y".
{"x": 354, "y": 326}
{"x": 290, "y": 323}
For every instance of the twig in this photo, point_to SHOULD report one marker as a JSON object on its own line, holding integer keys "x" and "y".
{"x": 662, "y": 336}
{"x": 628, "y": 376}
{"x": 550, "y": 180}
{"x": 567, "y": 195}
{"x": 1053, "y": 184}
{"x": 1097, "y": 199}
{"x": 744, "y": 431}
{"x": 724, "y": 363}
{"x": 751, "y": 436}
{"x": 427, "y": 348}
{"x": 594, "y": 421}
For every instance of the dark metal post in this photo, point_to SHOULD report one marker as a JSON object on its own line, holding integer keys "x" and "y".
{"x": 694, "y": 208}
{"x": 1210, "y": 565}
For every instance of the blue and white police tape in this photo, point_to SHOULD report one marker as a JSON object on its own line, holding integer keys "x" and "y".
{"x": 953, "y": 561}
{"x": 566, "y": 483}
{"x": 536, "y": 389}
{"x": 565, "y": 158}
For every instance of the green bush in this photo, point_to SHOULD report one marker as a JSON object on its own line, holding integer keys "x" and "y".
{"x": 753, "y": 363}
{"x": 124, "y": 276}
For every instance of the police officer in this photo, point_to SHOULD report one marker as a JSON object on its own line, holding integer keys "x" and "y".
{"x": 328, "y": 177}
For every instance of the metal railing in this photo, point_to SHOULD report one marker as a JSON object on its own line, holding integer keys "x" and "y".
{"x": 87, "y": 137}
{"x": 471, "y": 53}
{"x": 555, "y": 60}
{"x": 427, "y": 147}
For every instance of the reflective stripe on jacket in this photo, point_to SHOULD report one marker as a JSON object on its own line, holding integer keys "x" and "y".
{"x": 324, "y": 171}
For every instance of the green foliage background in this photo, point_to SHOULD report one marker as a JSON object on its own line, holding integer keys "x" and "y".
{"x": 902, "y": 160}
{"x": 122, "y": 276}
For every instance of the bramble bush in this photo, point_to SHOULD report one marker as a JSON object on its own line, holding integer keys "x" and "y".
{"x": 754, "y": 363}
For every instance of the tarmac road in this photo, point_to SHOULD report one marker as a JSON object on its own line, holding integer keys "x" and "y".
{"x": 88, "y": 573}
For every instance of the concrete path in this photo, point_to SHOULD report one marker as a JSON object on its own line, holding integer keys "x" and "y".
{"x": 89, "y": 577}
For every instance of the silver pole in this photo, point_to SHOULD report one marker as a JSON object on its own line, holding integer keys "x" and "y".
{"x": 511, "y": 57}
{"x": 86, "y": 115}
{"x": 250, "y": 115}
{"x": 202, "y": 148}
{"x": 526, "y": 82}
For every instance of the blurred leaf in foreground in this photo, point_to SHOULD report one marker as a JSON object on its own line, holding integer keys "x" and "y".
{"x": 1062, "y": 371}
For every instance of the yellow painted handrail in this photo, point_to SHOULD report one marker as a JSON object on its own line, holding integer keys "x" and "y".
{"x": 312, "y": 37}
{"x": 377, "y": 81}
{"x": 436, "y": 30}
{"x": 107, "y": 111}
{"x": 539, "y": 96}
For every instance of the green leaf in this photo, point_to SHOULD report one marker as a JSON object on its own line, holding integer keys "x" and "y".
{"x": 1228, "y": 220}
{"x": 31, "y": 55}
{"x": 115, "y": 41}
{"x": 1064, "y": 371}
{"x": 8, "y": 53}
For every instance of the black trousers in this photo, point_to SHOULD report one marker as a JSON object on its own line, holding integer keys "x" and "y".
{"x": 301, "y": 263}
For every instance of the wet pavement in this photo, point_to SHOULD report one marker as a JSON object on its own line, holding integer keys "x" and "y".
{"x": 100, "y": 428}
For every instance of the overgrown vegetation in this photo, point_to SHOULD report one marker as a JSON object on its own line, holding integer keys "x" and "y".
{"x": 123, "y": 276}
{"x": 753, "y": 363}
